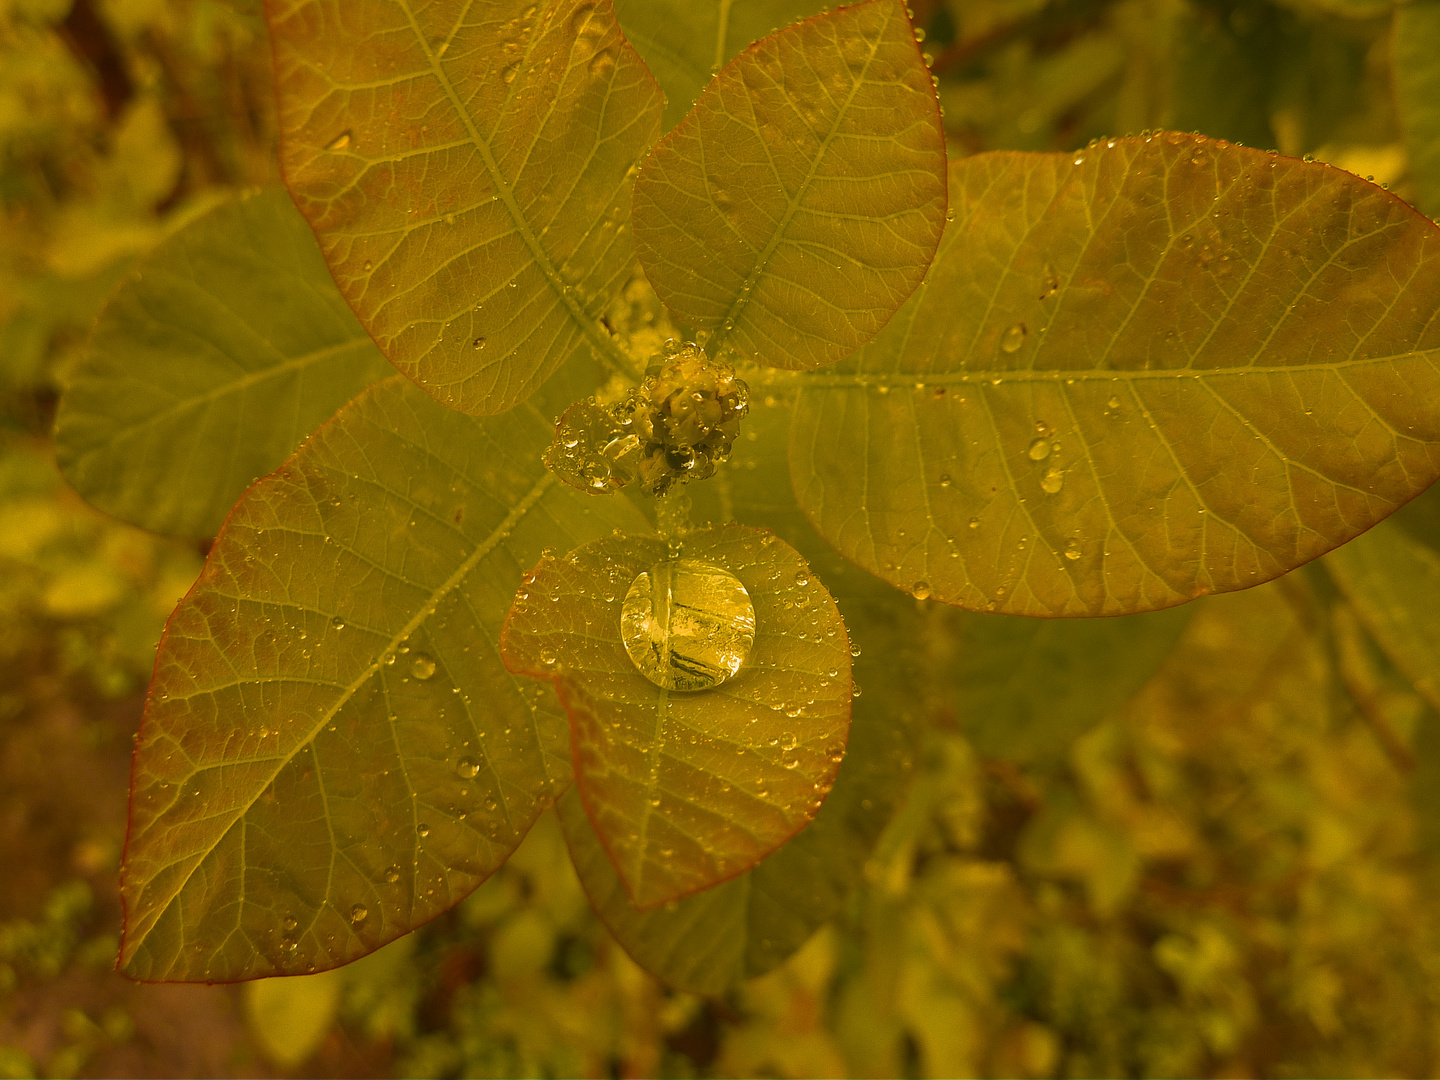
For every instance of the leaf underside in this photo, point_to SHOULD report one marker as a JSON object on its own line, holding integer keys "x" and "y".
{"x": 687, "y": 790}
{"x": 799, "y": 203}
{"x": 1135, "y": 375}
{"x": 332, "y": 752}
{"x": 468, "y": 170}
{"x": 222, "y": 349}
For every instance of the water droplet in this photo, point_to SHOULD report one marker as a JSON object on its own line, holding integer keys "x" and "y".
{"x": 920, "y": 590}
{"x": 510, "y": 72}
{"x": 855, "y": 690}
{"x": 289, "y": 944}
{"x": 1012, "y": 339}
{"x": 339, "y": 142}
{"x": 1039, "y": 449}
{"x": 359, "y": 913}
{"x": 423, "y": 830}
{"x": 479, "y": 343}
{"x": 944, "y": 480}
{"x": 422, "y": 667}
{"x": 854, "y": 649}
{"x": 1072, "y": 548}
{"x": 467, "y": 767}
{"x": 802, "y": 578}
{"x": 1113, "y": 403}
{"x": 687, "y": 625}
{"x": 1053, "y": 480}
{"x": 290, "y": 924}
{"x": 391, "y": 875}
{"x": 338, "y": 623}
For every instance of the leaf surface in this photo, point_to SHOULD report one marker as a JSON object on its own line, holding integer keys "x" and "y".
{"x": 1135, "y": 375}
{"x": 1027, "y": 688}
{"x": 1415, "y": 54}
{"x": 221, "y": 350}
{"x": 332, "y": 752}
{"x": 468, "y": 169}
{"x": 799, "y": 203}
{"x": 685, "y": 42}
{"x": 689, "y": 789}
{"x": 708, "y": 942}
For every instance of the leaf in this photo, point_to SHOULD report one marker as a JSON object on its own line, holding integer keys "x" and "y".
{"x": 467, "y": 168}
{"x": 1027, "y": 688}
{"x": 221, "y": 350}
{"x": 332, "y": 753}
{"x": 747, "y": 926}
{"x": 687, "y": 790}
{"x": 1392, "y": 579}
{"x": 1416, "y": 63}
{"x": 290, "y": 1018}
{"x": 800, "y": 201}
{"x": 1135, "y": 375}
{"x": 684, "y": 42}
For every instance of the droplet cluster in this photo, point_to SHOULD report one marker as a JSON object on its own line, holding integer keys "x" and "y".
{"x": 676, "y": 426}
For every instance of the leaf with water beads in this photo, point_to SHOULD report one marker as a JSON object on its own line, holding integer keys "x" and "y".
{"x": 799, "y": 203}
{"x": 468, "y": 170}
{"x": 689, "y": 789}
{"x": 1160, "y": 367}
{"x": 332, "y": 752}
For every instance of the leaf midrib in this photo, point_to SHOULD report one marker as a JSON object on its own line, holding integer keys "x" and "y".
{"x": 498, "y": 534}
{"x": 589, "y": 327}
{"x": 742, "y": 300}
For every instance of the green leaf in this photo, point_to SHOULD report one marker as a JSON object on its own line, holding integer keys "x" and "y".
{"x": 221, "y": 350}
{"x": 1135, "y": 375}
{"x": 1392, "y": 579}
{"x": 290, "y": 1018}
{"x": 1027, "y": 688}
{"x": 332, "y": 752}
{"x": 468, "y": 170}
{"x": 688, "y": 789}
{"x": 684, "y": 42}
{"x": 800, "y": 201}
{"x": 1415, "y": 54}
{"x": 710, "y": 941}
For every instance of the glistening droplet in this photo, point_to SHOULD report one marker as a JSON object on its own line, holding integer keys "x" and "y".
{"x": 1039, "y": 449}
{"x": 467, "y": 768}
{"x": 687, "y": 624}
{"x": 359, "y": 913}
{"x": 920, "y": 590}
{"x": 1013, "y": 338}
{"x": 339, "y": 142}
{"x": 1072, "y": 548}
{"x": 1053, "y": 480}
{"x": 422, "y": 667}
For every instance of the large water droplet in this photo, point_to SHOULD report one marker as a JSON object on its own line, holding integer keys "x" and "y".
{"x": 687, "y": 625}
{"x": 467, "y": 767}
{"x": 359, "y": 913}
{"x": 1013, "y": 338}
{"x": 920, "y": 590}
{"x": 1039, "y": 449}
{"x": 422, "y": 667}
{"x": 391, "y": 875}
{"x": 339, "y": 142}
{"x": 1053, "y": 480}
{"x": 1072, "y": 548}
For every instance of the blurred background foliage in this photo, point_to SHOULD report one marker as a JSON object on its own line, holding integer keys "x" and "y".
{"x": 1227, "y": 873}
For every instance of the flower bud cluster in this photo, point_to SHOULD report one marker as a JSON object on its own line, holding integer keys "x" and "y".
{"x": 676, "y": 426}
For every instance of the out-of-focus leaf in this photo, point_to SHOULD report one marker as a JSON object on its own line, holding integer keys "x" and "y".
{"x": 1415, "y": 53}
{"x": 1135, "y": 375}
{"x": 685, "y": 42}
{"x": 468, "y": 170}
{"x": 1027, "y": 688}
{"x": 800, "y": 201}
{"x": 689, "y": 789}
{"x": 332, "y": 752}
{"x": 1217, "y": 88}
{"x": 290, "y": 1017}
{"x": 224, "y": 347}
{"x": 1393, "y": 580}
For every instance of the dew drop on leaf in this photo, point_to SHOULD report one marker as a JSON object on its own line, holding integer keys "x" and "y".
{"x": 423, "y": 830}
{"x": 687, "y": 625}
{"x": 479, "y": 343}
{"x": 1053, "y": 480}
{"x": 1039, "y": 449}
{"x": 920, "y": 590}
{"x": 422, "y": 667}
{"x": 290, "y": 924}
{"x": 467, "y": 767}
{"x": 1013, "y": 338}
{"x": 802, "y": 578}
{"x": 944, "y": 480}
{"x": 339, "y": 142}
{"x": 338, "y": 623}
{"x": 974, "y": 523}
{"x": 359, "y": 913}
{"x": 1072, "y": 548}
{"x": 391, "y": 875}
